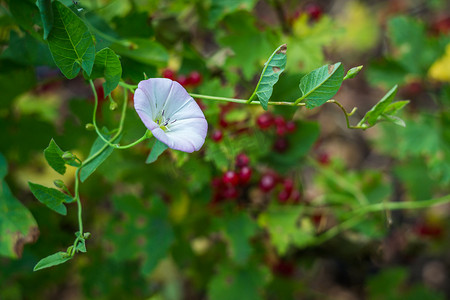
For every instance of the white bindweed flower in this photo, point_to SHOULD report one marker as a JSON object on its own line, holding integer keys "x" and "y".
{"x": 171, "y": 114}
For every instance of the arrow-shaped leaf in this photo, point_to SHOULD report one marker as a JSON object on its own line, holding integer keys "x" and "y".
{"x": 107, "y": 65}
{"x": 321, "y": 85}
{"x": 270, "y": 75}
{"x": 70, "y": 42}
{"x": 372, "y": 115}
{"x": 52, "y": 198}
{"x": 53, "y": 155}
{"x": 52, "y": 260}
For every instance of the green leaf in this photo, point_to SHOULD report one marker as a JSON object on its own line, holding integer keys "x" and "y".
{"x": 17, "y": 225}
{"x": 270, "y": 74}
{"x": 53, "y": 155}
{"x": 395, "y": 107}
{"x": 81, "y": 246}
{"x": 144, "y": 232}
{"x": 70, "y": 42}
{"x": 393, "y": 119}
{"x": 282, "y": 224}
{"x": 157, "y": 149}
{"x": 107, "y": 65}
{"x": 238, "y": 283}
{"x": 220, "y": 8}
{"x": 143, "y": 50}
{"x": 103, "y": 152}
{"x": 52, "y": 260}
{"x": 238, "y": 230}
{"x": 45, "y": 9}
{"x": 353, "y": 72}
{"x": 321, "y": 85}
{"x": 51, "y": 197}
{"x": 301, "y": 141}
{"x": 372, "y": 115}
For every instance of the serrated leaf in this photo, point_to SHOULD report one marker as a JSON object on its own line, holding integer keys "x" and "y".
{"x": 70, "y": 42}
{"x": 238, "y": 230}
{"x": 216, "y": 154}
{"x": 270, "y": 74}
{"x": 104, "y": 151}
{"x": 107, "y": 65}
{"x": 51, "y": 197}
{"x": 17, "y": 225}
{"x": 52, "y": 260}
{"x": 282, "y": 224}
{"x": 45, "y": 9}
{"x": 157, "y": 149}
{"x": 321, "y": 85}
{"x": 53, "y": 155}
{"x": 372, "y": 115}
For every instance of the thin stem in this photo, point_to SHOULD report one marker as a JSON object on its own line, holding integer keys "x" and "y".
{"x": 122, "y": 118}
{"x": 346, "y": 114}
{"x": 130, "y": 87}
{"x": 359, "y": 214}
{"x": 243, "y": 101}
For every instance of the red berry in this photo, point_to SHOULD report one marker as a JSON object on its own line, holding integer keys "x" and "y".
{"x": 284, "y": 269}
{"x": 314, "y": 11}
{"x": 194, "y": 78}
{"x": 267, "y": 182}
{"x": 317, "y": 218}
{"x": 230, "y": 178}
{"x": 279, "y": 121}
{"x": 217, "y": 136}
{"x": 183, "y": 80}
{"x": 281, "y": 130}
{"x": 245, "y": 174}
{"x": 323, "y": 159}
{"x": 230, "y": 192}
{"x": 168, "y": 73}
{"x": 264, "y": 120}
{"x": 290, "y": 126}
{"x": 216, "y": 182}
{"x": 242, "y": 160}
{"x": 283, "y": 196}
{"x": 288, "y": 185}
{"x": 281, "y": 145}
{"x": 295, "y": 196}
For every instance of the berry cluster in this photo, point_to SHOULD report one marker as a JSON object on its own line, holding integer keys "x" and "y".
{"x": 286, "y": 192}
{"x": 230, "y": 184}
{"x": 193, "y": 79}
{"x": 282, "y": 127}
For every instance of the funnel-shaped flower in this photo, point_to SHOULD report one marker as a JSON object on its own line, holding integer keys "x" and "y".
{"x": 170, "y": 114}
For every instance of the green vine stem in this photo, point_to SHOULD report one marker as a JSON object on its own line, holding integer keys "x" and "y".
{"x": 124, "y": 108}
{"x": 358, "y": 214}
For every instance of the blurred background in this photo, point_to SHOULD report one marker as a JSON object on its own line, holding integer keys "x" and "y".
{"x": 264, "y": 210}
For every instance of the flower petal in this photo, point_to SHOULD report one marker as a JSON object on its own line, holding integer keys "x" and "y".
{"x": 187, "y": 126}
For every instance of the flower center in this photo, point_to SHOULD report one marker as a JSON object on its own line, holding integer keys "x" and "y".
{"x": 164, "y": 123}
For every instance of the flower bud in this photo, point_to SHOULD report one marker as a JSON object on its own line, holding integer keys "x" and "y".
{"x": 68, "y": 156}
{"x": 59, "y": 183}
{"x": 90, "y": 127}
{"x": 353, "y": 72}
{"x": 112, "y": 104}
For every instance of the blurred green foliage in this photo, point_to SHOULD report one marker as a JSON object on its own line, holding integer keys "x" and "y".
{"x": 164, "y": 230}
